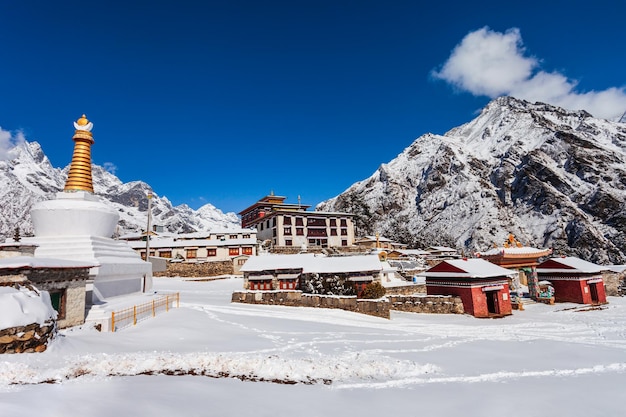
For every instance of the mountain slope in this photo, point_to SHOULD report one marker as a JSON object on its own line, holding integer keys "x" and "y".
{"x": 554, "y": 178}
{"x": 28, "y": 177}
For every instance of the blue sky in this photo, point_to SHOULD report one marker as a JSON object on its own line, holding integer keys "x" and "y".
{"x": 224, "y": 102}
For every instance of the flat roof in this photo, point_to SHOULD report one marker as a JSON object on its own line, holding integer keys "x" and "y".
{"x": 310, "y": 263}
{"x": 31, "y": 262}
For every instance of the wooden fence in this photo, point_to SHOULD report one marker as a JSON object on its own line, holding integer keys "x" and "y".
{"x": 130, "y": 316}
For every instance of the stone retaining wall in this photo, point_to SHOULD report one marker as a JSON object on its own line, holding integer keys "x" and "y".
{"x": 406, "y": 289}
{"x": 378, "y": 308}
{"x": 199, "y": 269}
{"x": 26, "y": 339}
{"x": 427, "y": 304}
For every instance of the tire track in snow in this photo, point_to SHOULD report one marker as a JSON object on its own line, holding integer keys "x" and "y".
{"x": 490, "y": 377}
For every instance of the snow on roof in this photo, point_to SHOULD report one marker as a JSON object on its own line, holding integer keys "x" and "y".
{"x": 411, "y": 251}
{"x": 309, "y": 263}
{"x": 32, "y": 262}
{"x": 473, "y": 268}
{"x": 10, "y": 243}
{"x": 442, "y": 249}
{"x": 572, "y": 264}
{"x": 374, "y": 238}
{"x": 24, "y": 306}
{"x": 617, "y": 268}
{"x": 524, "y": 250}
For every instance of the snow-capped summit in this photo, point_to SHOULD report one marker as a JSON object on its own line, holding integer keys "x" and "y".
{"x": 28, "y": 177}
{"x": 552, "y": 177}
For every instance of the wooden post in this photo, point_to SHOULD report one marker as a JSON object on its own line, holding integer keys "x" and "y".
{"x": 134, "y": 315}
{"x": 113, "y": 321}
{"x": 153, "y": 312}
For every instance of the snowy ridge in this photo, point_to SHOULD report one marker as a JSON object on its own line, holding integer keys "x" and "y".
{"x": 30, "y": 178}
{"x": 554, "y": 178}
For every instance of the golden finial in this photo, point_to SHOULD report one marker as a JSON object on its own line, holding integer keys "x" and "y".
{"x": 79, "y": 176}
{"x": 82, "y": 121}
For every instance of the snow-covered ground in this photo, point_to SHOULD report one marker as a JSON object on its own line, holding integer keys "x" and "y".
{"x": 545, "y": 360}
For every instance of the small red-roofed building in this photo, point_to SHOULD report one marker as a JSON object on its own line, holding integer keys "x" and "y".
{"x": 482, "y": 286}
{"x": 574, "y": 280}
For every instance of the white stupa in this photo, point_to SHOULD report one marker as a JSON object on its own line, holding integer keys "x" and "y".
{"x": 78, "y": 226}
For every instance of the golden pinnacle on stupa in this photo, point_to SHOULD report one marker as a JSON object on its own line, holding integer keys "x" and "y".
{"x": 79, "y": 176}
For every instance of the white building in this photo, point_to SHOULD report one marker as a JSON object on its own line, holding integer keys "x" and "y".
{"x": 218, "y": 245}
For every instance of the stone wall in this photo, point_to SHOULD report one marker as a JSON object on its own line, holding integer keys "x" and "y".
{"x": 196, "y": 269}
{"x": 426, "y": 304}
{"x": 26, "y": 339}
{"x": 406, "y": 289}
{"x": 72, "y": 282}
{"x": 378, "y": 308}
{"x": 614, "y": 283}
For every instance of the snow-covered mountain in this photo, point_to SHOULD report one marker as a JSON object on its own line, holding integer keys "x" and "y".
{"x": 28, "y": 177}
{"x": 554, "y": 178}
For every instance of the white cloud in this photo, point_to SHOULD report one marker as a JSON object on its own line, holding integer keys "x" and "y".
{"x": 493, "y": 64}
{"x": 110, "y": 167}
{"x": 8, "y": 142}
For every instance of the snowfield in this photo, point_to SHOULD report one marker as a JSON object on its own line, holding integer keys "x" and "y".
{"x": 211, "y": 357}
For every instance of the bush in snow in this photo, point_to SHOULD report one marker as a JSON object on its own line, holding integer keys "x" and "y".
{"x": 374, "y": 290}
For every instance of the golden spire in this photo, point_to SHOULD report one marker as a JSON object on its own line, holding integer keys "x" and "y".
{"x": 79, "y": 177}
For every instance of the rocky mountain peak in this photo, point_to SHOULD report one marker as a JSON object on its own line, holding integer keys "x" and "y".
{"x": 553, "y": 177}
{"x": 30, "y": 178}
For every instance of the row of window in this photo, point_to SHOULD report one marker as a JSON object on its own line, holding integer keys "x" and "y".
{"x": 314, "y": 232}
{"x": 193, "y": 253}
{"x": 316, "y": 242}
{"x": 266, "y": 284}
{"x": 299, "y": 221}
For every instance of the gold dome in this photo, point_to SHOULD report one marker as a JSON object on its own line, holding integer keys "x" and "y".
{"x": 82, "y": 121}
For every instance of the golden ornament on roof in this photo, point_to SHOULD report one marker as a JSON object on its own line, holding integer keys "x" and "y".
{"x": 82, "y": 121}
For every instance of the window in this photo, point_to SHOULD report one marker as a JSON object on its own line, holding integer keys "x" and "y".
{"x": 274, "y": 222}
{"x": 288, "y": 242}
{"x": 333, "y": 222}
{"x": 233, "y": 237}
{"x": 211, "y": 252}
{"x": 344, "y": 232}
{"x": 246, "y": 250}
{"x": 287, "y": 220}
{"x": 241, "y": 261}
{"x": 316, "y": 221}
{"x": 246, "y": 236}
{"x": 344, "y": 223}
{"x": 300, "y": 231}
{"x": 192, "y": 253}
{"x": 265, "y": 284}
{"x": 287, "y": 231}
{"x": 333, "y": 232}
{"x": 273, "y": 232}
{"x": 165, "y": 254}
{"x": 299, "y": 221}
{"x": 233, "y": 251}
{"x": 287, "y": 284}
{"x": 316, "y": 232}
{"x": 57, "y": 298}
{"x": 344, "y": 242}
